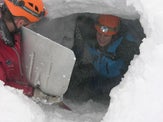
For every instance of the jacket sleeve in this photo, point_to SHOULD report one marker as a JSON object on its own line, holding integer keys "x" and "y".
{"x": 2, "y": 73}
{"x": 27, "y": 89}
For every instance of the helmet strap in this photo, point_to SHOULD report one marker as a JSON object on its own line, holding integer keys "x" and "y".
{"x": 16, "y": 30}
{"x": 7, "y": 36}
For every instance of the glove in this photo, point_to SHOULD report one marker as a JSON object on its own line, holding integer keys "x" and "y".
{"x": 41, "y": 97}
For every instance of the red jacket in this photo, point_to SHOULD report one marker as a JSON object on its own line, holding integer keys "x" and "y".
{"x": 10, "y": 66}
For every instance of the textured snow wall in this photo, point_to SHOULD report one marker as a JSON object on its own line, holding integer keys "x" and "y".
{"x": 60, "y": 8}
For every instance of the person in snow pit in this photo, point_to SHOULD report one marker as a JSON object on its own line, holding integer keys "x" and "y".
{"x": 13, "y": 15}
{"x": 103, "y": 48}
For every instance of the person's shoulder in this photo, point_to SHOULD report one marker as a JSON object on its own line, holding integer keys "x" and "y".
{"x": 129, "y": 37}
{"x": 126, "y": 35}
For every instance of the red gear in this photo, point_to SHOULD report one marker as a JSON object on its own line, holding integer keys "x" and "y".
{"x": 10, "y": 67}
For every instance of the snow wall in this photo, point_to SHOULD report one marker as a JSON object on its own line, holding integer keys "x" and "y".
{"x": 142, "y": 83}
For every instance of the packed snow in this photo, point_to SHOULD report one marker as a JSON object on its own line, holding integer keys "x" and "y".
{"x": 138, "y": 98}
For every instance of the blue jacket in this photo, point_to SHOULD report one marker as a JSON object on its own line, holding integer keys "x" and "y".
{"x": 109, "y": 63}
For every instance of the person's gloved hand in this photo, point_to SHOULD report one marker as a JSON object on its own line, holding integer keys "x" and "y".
{"x": 39, "y": 96}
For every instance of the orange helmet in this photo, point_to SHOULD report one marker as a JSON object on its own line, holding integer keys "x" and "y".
{"x": 108, "y": 24}
{"x": 33, "y": 10}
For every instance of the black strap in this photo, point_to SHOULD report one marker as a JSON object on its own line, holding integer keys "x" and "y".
{"x": 7, "y": 37}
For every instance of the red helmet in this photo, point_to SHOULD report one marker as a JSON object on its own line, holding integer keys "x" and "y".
{"x": 108, "y": 24}
{"x": 33, "y": 10}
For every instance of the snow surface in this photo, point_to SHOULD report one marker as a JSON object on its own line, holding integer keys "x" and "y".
{"x": 139, "y": 96}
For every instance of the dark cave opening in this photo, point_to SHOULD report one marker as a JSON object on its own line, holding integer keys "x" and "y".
{"x": 85, "y": 82}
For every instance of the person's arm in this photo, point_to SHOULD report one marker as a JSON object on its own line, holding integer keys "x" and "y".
{"x": 27, "y": 89}
{"x": 108, "y": 67}
{"x": 2, "y": 73}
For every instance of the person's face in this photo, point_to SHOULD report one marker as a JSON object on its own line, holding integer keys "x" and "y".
{"x": 21, "y": 22}
{"x": 102, "y": 39}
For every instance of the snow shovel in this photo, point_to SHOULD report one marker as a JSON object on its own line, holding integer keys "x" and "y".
{"x": 46, "y": 64}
